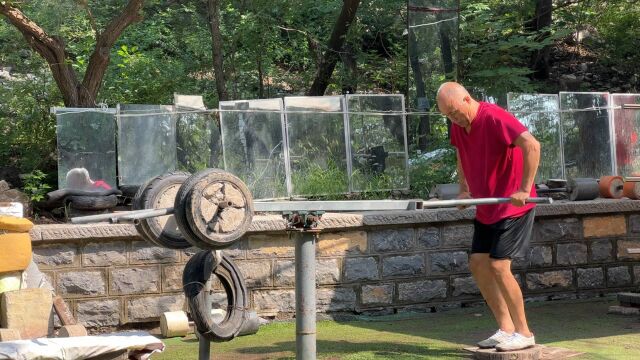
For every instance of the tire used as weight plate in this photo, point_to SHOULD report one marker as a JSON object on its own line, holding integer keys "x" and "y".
{"x": 92, "y": 202}
{"x": 160, "y": 192}
{"x": 196, "y": 285}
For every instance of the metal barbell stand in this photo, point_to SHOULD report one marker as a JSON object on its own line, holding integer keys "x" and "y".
{"x": 303, "y": 218}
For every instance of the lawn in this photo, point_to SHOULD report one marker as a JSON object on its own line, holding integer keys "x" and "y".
{"x": 578, "y": 325}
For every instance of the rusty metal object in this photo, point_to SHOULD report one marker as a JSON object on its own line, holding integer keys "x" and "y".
{"x": 611, "y": 187}
{"x": 631, "y": 189}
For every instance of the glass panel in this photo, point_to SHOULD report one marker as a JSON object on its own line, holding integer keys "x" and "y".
{"x": 317, "y": 148}
{"x": 253, "y": 147}
{"x": 378, "y": 143}
{"x": 86, "y": 139}
{"x": 197, "y": 141}
{"x": 540, "y": 114}
{"x": 627, "y": 129}
{"x": 586, "y": 136}
{"x": 146, "y": 142}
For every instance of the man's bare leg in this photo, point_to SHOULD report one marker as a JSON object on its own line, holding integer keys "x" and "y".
{"x": 510, "y": 293}
{"x": 480, "y": 265}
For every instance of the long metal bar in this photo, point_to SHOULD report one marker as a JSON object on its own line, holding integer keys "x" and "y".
{"x": 125, "y": 215}
{"x": 204, "y": 348}
{"x": 305, "y": 264}
{"x": 482, "y": 201}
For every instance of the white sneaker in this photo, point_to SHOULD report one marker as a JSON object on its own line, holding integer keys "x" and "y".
{"x": 495, "y": 339}
{"x": 516, "y": 342}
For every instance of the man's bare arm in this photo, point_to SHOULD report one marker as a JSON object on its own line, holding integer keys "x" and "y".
{"x": 464, "y": 187}
{"x": 531, "y": 156}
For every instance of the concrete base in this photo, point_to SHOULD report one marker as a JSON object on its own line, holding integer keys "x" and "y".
{"x": 624, "y": 310}
{"x": 538, "y": 352}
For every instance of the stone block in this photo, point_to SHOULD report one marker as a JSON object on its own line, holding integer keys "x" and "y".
{"x": 28, "y": 311}
{"x": 144, "y": 253}
{"x": 422, "y": 291}
{"x": 140, "y": 280}
{"x": 539, "y": 256}
{"x": 81, "y": 283}
{"x": 457, "y": 235}
{"x": 150, "y": 308}
{"x": 338, "y": 299}
{"x": 457, "y": 261}
{"x": 410, "y": 265}
{"x": 464, "y": 286}
{"x": 636, "y": 274}
{"x": 284, "y": 273}
{"x": 172, "y": 278}
{"x": 98, "y": 313}
{"x": 623, "y": 250}
{"x": 428, "y": 237}
{"x": 343, "y": 243}
{"x": 634, "y": 224}
{"x": 256, "y": 273}
{"x": 557, "y": 229}
{"x": 104, "y": 253}
{"x": 56, "y": 255}
{"x": 361, "y": 268}
{"x": 602, "y": 226}
{"x": 187, "y": 253}
{"x": 601, "y": 250}
{"x": 571, "y": 254}
{"x": 618, "y": 276}
{"x": 560, "y": 279}
{"x": 377, "y": 294}
{"x": 590, "y": 278}
{"x": 391, "y": 240}
{"x": 271, "y": 302}
{"x": 327, "y": 271}
{"x": 269, "y": 246}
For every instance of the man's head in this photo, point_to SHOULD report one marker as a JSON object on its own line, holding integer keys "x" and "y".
{"x": 455, "y": 103}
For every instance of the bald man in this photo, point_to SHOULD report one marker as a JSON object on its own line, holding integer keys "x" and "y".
{"x": 497, "y": 157}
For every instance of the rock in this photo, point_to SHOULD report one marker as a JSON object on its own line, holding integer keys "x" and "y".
{"x": 4, "y": 186}
{"x": 28, "y": 311}
{"x": 569, "y": 77}
{"x": 15, "y": 195}
{"x": 584, "y": 67}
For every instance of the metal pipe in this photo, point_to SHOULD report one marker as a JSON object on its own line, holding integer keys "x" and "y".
{"x": 351, "y": 205}
{"x": 481, "y": 201}
{"x": 204, "y": 348}
{"x": 125, "y": 215}
{"x": 305, "y": 295}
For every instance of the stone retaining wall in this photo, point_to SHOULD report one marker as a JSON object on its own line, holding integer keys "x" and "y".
{"x": 366, "y": 263}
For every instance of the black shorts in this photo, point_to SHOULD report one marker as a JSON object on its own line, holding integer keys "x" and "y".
{"x": 507, "y": 239}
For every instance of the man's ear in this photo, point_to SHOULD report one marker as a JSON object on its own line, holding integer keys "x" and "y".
{"x": 467, "y": 99}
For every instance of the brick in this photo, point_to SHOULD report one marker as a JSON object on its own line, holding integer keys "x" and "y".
{"x": 464, "y": 286}
{"x": 422, "y": 291}
{"x": 561, "y": 279}
{"x": 623, "y": 249}
{"x": 172, "y": 278}
{"x": 256, "y": 273}
{"x": 456, "y": 261}
{"x": 269, "y": 246}
{"x": 285, "y": 273}
{"x": 81, "y": 283}
{"x": 150, "y": 308}
{"x": 557, "y": 229}
{"x": 274, "y": 301}
{"x": 601, "y": 250}
{"x": 618, "y": 276}
{"x": 377, "y": 294}
{"x": 428, "y": 237}
{"x": 602, "y": 226}
{"x": 235, "y": 251}
{"x": 327, "y": 271}
{"x": 338, "y": 299}
{"x": 98, "y": 313}
{"x": 144, "y": 253}
{"x": 361, "y": 268}
{"x": 56, "y": 256}
{"x": 571, "y": 254}
{"x": 134, "y": 281}
{"x": 104, "y": 253}
{"x": 538, "y": 256}
{"x": 457, "y": 235}
{"x": 388, "y": 240}
{"x": 634, "y": 224}
{"x": 343, "y": 243}
{"x": 403, "y": 265}
{"x": 28, "y": 311}
{"x": 590, "y": 278}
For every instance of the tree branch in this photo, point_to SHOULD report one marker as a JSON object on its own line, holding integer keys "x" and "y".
{"x": 92, "y": 19}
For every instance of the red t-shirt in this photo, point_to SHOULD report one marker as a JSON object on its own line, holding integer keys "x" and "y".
{"x": 492, "y": 164}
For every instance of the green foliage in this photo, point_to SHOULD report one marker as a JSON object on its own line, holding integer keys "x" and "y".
{"x": 35, "y": 185}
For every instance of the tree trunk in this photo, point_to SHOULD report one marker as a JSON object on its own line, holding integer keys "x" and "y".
{"x": 539, "y": 62}
{"x": 351, "y": 66}
{"x": 422, "y": 103}
{"x": 331, "y": 55}
{"x": 260, "y": 78}
{"x": 52, "y": 49}
{"x": 213, "y": 14}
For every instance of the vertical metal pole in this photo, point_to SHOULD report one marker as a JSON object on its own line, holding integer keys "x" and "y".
{"x": 204, "y": 348}
{"x": 305, "y": 295}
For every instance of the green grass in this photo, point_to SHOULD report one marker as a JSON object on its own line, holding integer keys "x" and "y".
{"x": 578, "y": 325}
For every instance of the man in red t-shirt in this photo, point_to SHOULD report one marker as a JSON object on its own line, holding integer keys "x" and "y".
{"x": 497, "y": 157}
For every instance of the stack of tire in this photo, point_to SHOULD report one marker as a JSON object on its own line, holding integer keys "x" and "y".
{"x": 84, "y": 200}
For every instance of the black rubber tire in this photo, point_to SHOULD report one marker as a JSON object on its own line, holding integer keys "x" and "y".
{"x": 92, "y": 202}
{"x": 147, "y": 197}
{"x": 196, "y": 273}
{"x": 185, "y": 203}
